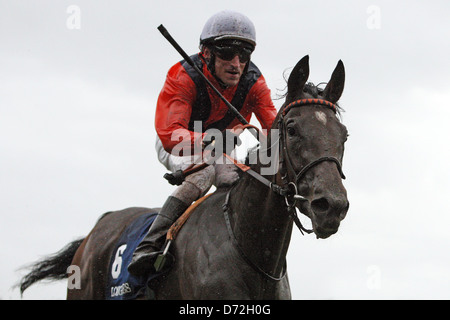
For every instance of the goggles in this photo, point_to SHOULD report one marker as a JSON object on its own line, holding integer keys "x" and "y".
{"x": 227, "y": 53}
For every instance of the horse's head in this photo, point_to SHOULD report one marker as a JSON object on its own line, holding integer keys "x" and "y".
{"x": 312, "y": 147}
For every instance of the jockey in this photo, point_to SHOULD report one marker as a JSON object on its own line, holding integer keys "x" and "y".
{"x": 186, "y": 107}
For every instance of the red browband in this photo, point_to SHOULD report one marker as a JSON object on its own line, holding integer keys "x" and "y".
{"x": 303, "y": 102}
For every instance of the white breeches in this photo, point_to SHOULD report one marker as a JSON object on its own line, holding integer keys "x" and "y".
{"x": 197, "y": 184}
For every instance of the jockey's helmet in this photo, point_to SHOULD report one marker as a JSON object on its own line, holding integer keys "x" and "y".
{"x": 228, "y": 25}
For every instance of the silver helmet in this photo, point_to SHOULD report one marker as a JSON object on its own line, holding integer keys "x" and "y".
{"x": 228, "y": 25}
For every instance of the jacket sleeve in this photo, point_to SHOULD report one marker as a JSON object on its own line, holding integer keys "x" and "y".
{"x": 263, "y": 106}
{"x": 173, "y": 112}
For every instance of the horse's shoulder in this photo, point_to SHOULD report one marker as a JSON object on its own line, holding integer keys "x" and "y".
{"x": 213, "y": 204}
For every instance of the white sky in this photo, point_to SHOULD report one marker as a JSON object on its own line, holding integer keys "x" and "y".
{"x": 77, "y": 135}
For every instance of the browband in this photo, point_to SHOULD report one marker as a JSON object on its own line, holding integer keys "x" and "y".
{"x": 303, "y": 102}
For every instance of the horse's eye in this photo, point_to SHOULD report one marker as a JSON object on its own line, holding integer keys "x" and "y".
{"x": 291, "y": 131}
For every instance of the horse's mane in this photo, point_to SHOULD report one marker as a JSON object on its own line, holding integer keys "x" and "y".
{"x": 314, "y": 90}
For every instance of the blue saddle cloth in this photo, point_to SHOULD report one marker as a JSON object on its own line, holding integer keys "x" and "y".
{"x": 122, "y": 285}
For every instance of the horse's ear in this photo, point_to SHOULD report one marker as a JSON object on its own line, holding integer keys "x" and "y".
{"x": 297, "y": 79}
{"x": 335, "y": 87}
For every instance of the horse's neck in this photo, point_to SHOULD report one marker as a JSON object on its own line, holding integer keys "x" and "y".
{"x": 261, "y": 224}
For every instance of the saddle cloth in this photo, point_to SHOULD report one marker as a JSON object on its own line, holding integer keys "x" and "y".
{"x": 121, "y": 284}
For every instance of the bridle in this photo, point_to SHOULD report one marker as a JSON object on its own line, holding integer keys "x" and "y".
{"x": 285, "y": 161}
{"x": 289, "y": 189}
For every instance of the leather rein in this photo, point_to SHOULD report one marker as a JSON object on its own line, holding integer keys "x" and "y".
{"x": 288, "y": 190}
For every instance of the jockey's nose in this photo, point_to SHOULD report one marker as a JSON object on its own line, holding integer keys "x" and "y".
{"x": 235, "y": 61}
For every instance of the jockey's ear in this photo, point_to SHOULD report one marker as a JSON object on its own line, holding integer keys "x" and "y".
{"x": 206, "y": 51}
{"x": 207, "y": 54}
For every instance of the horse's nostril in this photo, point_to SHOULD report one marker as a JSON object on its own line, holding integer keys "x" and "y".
{"x": 320, "y": 205}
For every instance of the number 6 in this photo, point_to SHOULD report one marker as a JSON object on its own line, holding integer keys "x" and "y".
{"x": 117, "y": 264}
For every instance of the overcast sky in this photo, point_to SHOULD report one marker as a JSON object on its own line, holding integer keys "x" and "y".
{"x": 77, "y": 104}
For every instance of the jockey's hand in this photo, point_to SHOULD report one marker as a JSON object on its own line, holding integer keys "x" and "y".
{"x": 226, "y": 141}
{"x": 176, "y": 178}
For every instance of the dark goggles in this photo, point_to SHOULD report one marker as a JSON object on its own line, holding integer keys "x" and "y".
{"x": 227, "y": 53}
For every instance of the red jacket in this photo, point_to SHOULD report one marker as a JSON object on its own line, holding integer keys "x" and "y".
{"x": 180, "y": 93}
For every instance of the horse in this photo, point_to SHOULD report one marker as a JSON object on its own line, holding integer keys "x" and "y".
{"x": 234, "y": 244}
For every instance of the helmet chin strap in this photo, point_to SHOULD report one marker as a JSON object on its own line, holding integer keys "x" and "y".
{"x": 211, "y": 65}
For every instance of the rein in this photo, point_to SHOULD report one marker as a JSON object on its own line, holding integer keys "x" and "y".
{"x": 289, "y": 190}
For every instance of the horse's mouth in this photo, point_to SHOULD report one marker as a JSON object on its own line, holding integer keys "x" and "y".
{"x": 323, "y": 233}
{"x": 325, "y": 219}
{"x": 324, "y": 228}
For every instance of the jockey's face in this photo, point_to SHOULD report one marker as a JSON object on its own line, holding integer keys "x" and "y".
{"x": 229, "y": 71}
